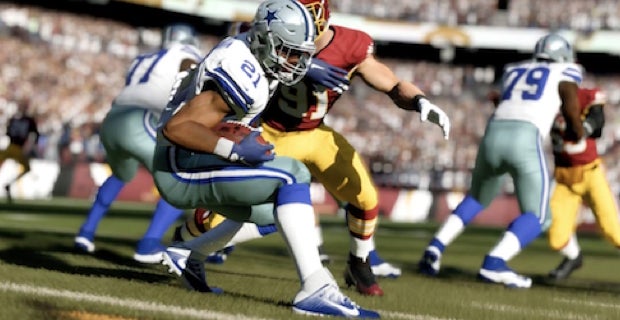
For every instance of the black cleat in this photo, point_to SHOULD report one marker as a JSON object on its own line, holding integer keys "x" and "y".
{"x": 566, "y": 267}
{"x": 359, "y": 274}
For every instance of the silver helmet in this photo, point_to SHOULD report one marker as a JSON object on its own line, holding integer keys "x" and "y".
{"x": 178, "y": 33}
{"x": 553, "y": 47}
{"x": 282, "y": 39}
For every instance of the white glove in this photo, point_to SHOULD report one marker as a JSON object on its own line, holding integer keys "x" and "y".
{"x": 434, "y": 114}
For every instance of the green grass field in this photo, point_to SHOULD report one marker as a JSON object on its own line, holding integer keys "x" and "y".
{"x": 42, "y": 278}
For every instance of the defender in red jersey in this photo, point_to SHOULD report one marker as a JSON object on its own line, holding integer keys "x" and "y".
{"x": 294, "y": 123}
{"x": 580, "y": 177}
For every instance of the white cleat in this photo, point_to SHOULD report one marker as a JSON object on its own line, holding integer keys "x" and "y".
{"x": 495, "y": 270}
{"x": 386, "y": 270}
{"x": 84, "y": 244}
{"x": 430, "y": 262}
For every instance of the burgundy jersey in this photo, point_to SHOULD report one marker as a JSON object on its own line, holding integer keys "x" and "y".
{"x": 304, "y": 105}
{"x": 582, "y": 152}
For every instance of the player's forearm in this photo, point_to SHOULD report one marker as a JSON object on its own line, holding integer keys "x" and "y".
{"x": 191, "y": 135}
{"x": 404, "y": 95}
{"x": 595, "y": 120}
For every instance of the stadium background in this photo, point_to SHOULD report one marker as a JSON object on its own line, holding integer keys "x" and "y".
{"x": 69, "y": 58}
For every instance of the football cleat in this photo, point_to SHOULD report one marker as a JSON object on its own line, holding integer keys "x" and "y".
{"x": 430, "y": 262}
{"x": 84, "y": 242}
{"x": 329, "y": 301}
{"x": 359, "y": 274}
{"x": 381, "y": 268}
{"x": 218, "y": 257}
{"x": 566, "y": 267}
{"x": 149, "y": 250}
{"x": 191, "y": 271}
{"x": 495, "y": 270}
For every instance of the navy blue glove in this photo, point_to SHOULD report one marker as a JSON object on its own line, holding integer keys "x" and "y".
{"x": 324, "y": 74}
{"x": 250, "y": 151}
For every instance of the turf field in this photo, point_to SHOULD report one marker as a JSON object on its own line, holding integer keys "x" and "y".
{"x": 42, "y": 278}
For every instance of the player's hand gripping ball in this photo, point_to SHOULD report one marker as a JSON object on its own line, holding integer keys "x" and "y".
{"x": 253, "y": 150}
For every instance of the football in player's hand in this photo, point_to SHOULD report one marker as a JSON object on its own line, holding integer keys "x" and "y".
{"x": 236, "y": 131}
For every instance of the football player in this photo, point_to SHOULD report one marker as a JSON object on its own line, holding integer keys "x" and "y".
{"x": 294, "y": 123}
{"x": 580, "y": 177}
{"x": 128, "y": 135}
{"x": 533, "y": 92}
{"x": 196, "y": 168}
{"x": 23, "y": 136}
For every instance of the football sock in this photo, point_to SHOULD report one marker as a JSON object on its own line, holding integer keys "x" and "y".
{"x": 215, "y": 239}
{"x": 106, "y": 194}
{"x": 319, "y": 235}
{"x": 572, "y": 249}
{"x": 361, "y": 248}
{"x": 523, "y": 230}
{"x": 295, "y": 218}
{"x": 456, "y": 222}
{"x": 165, "y": 215}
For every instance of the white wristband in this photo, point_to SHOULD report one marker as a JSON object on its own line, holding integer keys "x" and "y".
{"x": 223, "y": 148}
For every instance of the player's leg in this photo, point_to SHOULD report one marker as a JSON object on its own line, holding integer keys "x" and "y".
{"x": 343, "y": 173}
{"x": 525, "y": 161}
{"x": 564, "y": 205}
{"x": 123, "y": 170}
{"x": 16, "y": 153}
{"x": 603, "y": 204}
{"x": 289, "y": 180}
{"x": 141, "y": 147}
{"x": 484, "y": 187}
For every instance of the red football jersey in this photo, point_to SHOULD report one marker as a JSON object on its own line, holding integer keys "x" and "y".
{"x": 581, "y": 152}
{"x": 304, "y": 105}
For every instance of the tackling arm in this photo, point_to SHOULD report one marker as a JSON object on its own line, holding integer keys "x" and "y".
{"x": 405, "y": 95}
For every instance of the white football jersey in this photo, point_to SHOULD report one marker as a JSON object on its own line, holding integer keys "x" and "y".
{"x": 150, "y": 77}
{"x": 530, "y": 91}
{"x": 234, "y": 71}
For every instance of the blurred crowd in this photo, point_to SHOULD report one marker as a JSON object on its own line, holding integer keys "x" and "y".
{"x": 583, "y": 15}
{"x": 70, "y": 67}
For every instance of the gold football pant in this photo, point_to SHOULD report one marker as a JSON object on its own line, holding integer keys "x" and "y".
{"x": 574, "y": 186}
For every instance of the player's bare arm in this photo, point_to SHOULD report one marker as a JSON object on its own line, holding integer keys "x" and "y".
{"x": 191, "y": 126}
{"x": 570, "y": 108}
{"x": 405, "y": 95}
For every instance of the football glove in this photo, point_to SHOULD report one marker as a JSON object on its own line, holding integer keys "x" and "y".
{"x": 432, "y": 113}
{"x": 324, "y": 74}
{"x": 250, "y": 151}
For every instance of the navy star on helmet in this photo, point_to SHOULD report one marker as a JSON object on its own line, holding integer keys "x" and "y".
{"x": 282, "y": 39}
{"x": 271, "y": 15}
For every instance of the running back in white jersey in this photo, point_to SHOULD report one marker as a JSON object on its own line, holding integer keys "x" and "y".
{"x": 231, "y": 69}
{"x": 151, "y": 76}
{"x": 530, "y": 91}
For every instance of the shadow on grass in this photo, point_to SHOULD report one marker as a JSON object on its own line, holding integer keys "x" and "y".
{"x": 39, "y": 250}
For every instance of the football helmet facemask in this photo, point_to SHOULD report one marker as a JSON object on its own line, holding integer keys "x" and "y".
{"x": 282, "y": 39}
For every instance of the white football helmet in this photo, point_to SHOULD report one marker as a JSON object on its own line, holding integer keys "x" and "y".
{"x": 178, "y": 33}
{"x": 553, "y": 47}
{"x": 282, "y": 39}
